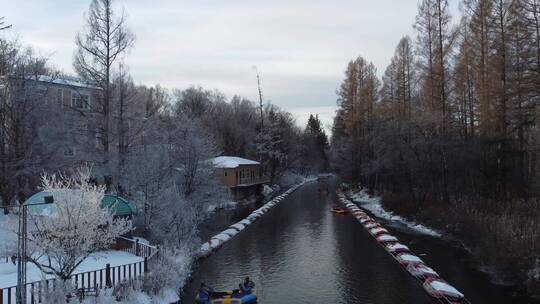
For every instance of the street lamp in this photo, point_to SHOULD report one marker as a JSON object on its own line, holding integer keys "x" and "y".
{"x": 21, "y": 247}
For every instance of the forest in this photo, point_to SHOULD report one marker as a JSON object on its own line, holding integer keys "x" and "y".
{"x": 451, "y": 133}
{"x": 149, "y": 144}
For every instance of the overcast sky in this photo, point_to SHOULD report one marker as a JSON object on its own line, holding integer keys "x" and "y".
{"x": 301, "y": 47}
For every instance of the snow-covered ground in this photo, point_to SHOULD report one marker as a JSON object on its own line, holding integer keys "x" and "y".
{"x": 8, "y": 271}
{"x": 373, "y": 204}
{"x": 222, "y": 205}
{"x": 7, "y": 237}
{"x": 135, "y": 297}
{"x": 534, "y": 273}
{"x": 267, "y": 190}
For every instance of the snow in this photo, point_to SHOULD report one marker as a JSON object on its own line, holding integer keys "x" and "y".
{"x": 365, "y": 220}
{"x": 446, "y": 288}
{"x": 67, "y": 81}
{"x": 141, "y": 240}
{"x": 245, "y": 222}
{"x": 534, "y": 273}
{"x": 205, "y": 247}
{"x": 214, "y": 243}
{"x": 377, "y": 230}
{"x": 409, "y": 258}
{"x": 371, "y": 225}
{"x": 238, "y": 226}
{"x": 222, "y": 205}
{"x": 231, "y": 162}
{"x": 96, "y": 261}
{"x": 7, "y": 236}
{"x": 396, "y": 247}
{"x": 230, "y": 232}
{"x": 386, "y": 238}
{"x": 267, "y": 190}
{"x": 423, "y": 269}
{"x": 222, "y": 237}
{"x": 373, "y": 204}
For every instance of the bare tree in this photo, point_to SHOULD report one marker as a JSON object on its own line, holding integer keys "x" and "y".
{"x": 24, "y": 88}
{"x": 104, "y": 41}
{"x": 259, "y": 89}
{"x": 3, "y": 25}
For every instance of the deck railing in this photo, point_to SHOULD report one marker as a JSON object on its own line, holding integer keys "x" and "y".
{"x": 135, "y": 247}
{"x": 246, "y": 181}
{"x": 96, "y": 279}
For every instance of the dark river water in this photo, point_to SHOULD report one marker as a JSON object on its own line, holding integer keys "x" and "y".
{"x": 299, "y": 252}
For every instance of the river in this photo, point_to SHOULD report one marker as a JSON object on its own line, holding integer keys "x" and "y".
{"x": 299, "y": 252}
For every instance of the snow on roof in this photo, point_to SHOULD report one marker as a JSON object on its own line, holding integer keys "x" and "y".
{"x": 231, "y": 162}
{"x": 67, "y": 81}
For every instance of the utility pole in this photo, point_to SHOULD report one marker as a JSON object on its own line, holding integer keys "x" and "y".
{"x": 21, "y": 256}
{"x": 20, "y": 291}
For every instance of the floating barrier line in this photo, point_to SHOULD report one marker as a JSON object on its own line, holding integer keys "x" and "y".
{"x": 371, "y": 224}
{"x": 221, "y": 238}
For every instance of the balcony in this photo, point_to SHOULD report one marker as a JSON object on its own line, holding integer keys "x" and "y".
{"x": 250, "y": 181}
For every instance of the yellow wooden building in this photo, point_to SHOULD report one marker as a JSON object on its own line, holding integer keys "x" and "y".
{"x": 242, "y": 176}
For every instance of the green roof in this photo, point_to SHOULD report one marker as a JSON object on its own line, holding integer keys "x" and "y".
{"x": 118, "y": 205}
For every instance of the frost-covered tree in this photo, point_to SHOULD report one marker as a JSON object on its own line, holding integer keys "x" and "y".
{"x": 75, "y": 226}
{"x": 23, "y": 152}
{"x": 277, "y": 144}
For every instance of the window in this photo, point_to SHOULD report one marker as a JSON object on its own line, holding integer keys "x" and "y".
{"x": 69, "y": 151}
{"x": 98, "y": 141}
{"x": 225, "y": 173}
{"x": 81, "y": 127}
{"x": 80, "y": 101}
{"x": 41, "y": 91}
{"x": 59, "y": 97}
{"x": 40, "y": 94}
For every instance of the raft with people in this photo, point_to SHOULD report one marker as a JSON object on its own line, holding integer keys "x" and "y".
{"x": 245, "y": 294}
{"x": 229, "y": 297}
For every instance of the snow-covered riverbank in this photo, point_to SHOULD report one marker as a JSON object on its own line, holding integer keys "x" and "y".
{"x": 221, "y": 238}
{"x": 373, "y": 205}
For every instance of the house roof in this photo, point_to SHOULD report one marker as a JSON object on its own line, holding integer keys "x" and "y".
{"x": 67, "y": 81}
{"x": 118, "y": 205}
{"x": 231, "y": 162}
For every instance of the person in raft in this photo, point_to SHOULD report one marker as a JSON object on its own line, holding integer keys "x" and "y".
{"x": 247, "y": 286}
{"x": 204, "y": 295}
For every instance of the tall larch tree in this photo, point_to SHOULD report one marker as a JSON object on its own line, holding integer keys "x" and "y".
{"x": 100, "y": 47}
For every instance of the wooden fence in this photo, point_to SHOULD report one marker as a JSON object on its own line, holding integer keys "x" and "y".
{"x": 96, "y": 279}
{"x": 135, "y": 247}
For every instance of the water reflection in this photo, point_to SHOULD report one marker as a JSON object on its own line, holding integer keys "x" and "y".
{"x": 301, "y": 253}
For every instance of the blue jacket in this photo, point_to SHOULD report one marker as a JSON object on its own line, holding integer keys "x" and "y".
{"x": 203, "y": 296}
{"x": 247, "y": 287}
